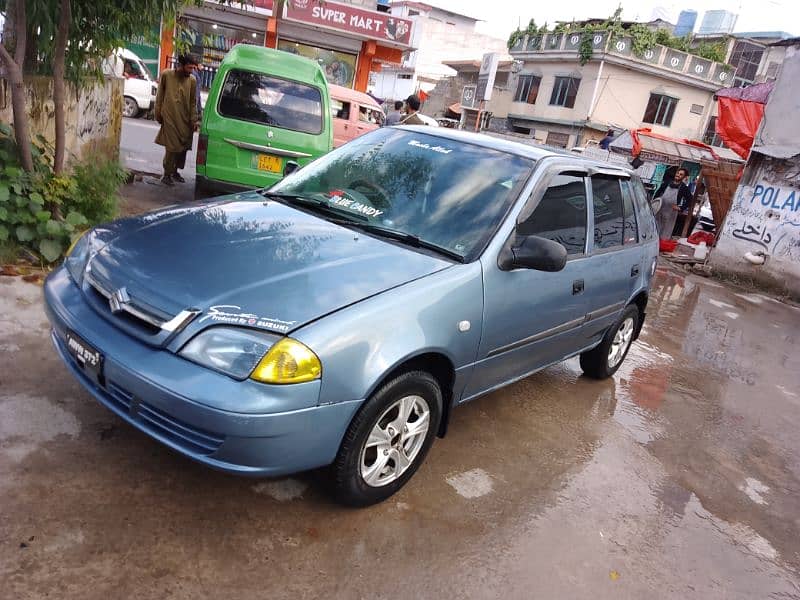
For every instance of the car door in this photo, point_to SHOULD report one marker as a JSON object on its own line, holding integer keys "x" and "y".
{"x": 616, "y": 257}
{"x": 534, "y": 318}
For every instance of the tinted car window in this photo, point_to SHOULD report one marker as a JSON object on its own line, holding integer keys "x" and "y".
{"x": 271, "y": 101}
{"x": 449, "y": 193}
{"x": 630, "y": 233}
{"x": 608, "y": 215}
{"x": 561, "y": 214}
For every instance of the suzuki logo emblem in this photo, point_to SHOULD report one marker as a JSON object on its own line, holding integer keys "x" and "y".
{"x": 118, "y": 299}
{"x": 270, "y": 135}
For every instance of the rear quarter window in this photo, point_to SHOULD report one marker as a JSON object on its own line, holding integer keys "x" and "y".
{"x": 268, "y": 100}
{"x": 645, "y": 218}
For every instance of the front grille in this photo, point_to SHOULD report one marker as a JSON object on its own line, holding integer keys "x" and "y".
{"x": 133, "y": 312}
{"x": 121, "y": 397}
{"x": 191, "y": 438}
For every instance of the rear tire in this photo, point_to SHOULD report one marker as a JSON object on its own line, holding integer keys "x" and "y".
{"x": 603, "y": 361}
{"x": 388, "y": 439}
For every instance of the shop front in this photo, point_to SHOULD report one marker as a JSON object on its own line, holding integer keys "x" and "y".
{"x": 347, "y": 41}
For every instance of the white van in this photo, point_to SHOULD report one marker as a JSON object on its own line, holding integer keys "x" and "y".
{"x": 140, "y": 89}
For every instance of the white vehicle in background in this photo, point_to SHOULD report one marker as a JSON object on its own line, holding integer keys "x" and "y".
{"x": 428, "y": 120}
{"x": 140, "y": 89}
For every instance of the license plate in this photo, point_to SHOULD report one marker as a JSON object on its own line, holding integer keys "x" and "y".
{"x": 87, "y": 357}
{"x": 272, "y": 164}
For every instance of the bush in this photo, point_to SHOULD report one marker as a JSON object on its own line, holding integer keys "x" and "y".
{"x": 44, "y": 212}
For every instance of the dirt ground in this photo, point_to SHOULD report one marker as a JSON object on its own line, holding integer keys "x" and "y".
{"x": 678, "y": 478}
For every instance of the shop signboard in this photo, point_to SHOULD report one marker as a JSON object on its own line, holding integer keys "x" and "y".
{"x": 147, "y": 48}
{"x": 371, "y": 24}
{"x": 486, "y": 75}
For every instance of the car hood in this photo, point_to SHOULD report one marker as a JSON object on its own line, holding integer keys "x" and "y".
{"x": 250, "y": 262}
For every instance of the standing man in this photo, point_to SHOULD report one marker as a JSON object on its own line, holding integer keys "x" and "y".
{"x": 394, "y": 117}
{"x": 196, "y": 76}
{"x": 412, "y": 107}
{"x": 176, "y": 112}
{"x": 606, "y": 141}
{"x": 675, "y": 197}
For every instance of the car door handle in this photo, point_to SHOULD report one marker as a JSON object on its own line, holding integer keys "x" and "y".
{"x": 577, "y": 286}
{"x": 634, "y": 270}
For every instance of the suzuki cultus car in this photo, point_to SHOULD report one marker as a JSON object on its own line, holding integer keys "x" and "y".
{"x": 340, "y": 316}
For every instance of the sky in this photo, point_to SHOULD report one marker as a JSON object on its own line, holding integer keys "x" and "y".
{"x": 502, "y": 16}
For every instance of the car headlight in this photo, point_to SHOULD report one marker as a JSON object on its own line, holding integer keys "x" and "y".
{"x": 235, "y": 352}
{"x": 78, "y": 255}
{"x": 288, "y": 361}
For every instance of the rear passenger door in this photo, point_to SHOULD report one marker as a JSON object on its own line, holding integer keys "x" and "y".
{"x": 615, "y": 255}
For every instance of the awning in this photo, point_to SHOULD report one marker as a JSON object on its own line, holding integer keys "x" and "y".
{"x": 753, "y": 93}
{"x": 455, "y": 108}
{"x": 654, "y": 147}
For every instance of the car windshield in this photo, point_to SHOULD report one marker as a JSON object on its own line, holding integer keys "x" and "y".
{"x": 447, "y": 193}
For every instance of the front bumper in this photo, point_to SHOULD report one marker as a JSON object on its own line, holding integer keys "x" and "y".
{"x": 156, "y": 391}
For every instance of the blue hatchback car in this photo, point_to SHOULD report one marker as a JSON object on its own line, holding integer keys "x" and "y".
{"x": 338, "y": 317}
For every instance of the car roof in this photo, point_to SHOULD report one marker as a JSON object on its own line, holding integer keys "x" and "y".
{"x": 273, "y": 62}
{"x": 342, "y": 93}
{"x": 512, "y": 147}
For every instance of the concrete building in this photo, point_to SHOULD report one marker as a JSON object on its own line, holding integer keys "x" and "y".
{"x": 718, "y": 21}
{"x": 563, "y": 103}
{"x": 760, "y": 238}
{"x": 440, "y": 35}
{"x": 756, "y": 57}
{"x": 686, "y": 22}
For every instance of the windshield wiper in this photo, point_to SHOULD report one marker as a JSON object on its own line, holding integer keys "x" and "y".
{"x": 363, "y": 224}
{"x": 408, "y": 238}
{"x": 312, "y": 201}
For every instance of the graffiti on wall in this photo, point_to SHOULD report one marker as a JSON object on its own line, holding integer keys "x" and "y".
{"x": 94, "y": 113}
{"x": 767, "y": 216}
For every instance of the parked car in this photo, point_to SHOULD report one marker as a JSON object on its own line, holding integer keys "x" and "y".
{"x": 338, "y": 317}
{"x": 139, "y": 92}
{"x": 266, "y": 110}
{"x": 354, "y": 113}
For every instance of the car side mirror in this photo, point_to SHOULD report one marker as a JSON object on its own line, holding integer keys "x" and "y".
{"x": 655, "y": 205}
{"x": 291, "y": 167}
{"x": 533, "y": 252}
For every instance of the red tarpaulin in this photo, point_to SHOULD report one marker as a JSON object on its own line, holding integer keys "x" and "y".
{"x": 737, "y": 123}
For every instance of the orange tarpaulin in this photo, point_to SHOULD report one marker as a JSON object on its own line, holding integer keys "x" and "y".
{"x": 738, "y": 123}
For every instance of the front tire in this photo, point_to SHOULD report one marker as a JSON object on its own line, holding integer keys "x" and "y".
{"x": 130, "y": 108}
{"x": 603, "y": 361}
{"x": 388, "y": 439}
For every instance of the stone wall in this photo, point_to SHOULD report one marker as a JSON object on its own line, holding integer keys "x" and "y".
{"x": 93, "y": 114}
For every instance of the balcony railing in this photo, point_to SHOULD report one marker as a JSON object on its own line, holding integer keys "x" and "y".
{"x": 659, "y": 56}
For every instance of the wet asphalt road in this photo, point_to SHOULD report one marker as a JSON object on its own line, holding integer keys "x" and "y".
{"x": 679, "y": 478}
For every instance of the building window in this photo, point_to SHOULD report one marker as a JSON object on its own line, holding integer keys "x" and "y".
{"x": 527, "y": 89}
{"x": 660, "y": 110}
{"x": 413, "y": 13}
{"x": 557, "y": 140}
{"x": 404, "y": 76}
{"x": 710, "y": 137}
{"x": 746, "y": 58}
{"x": 564, "y": 92}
